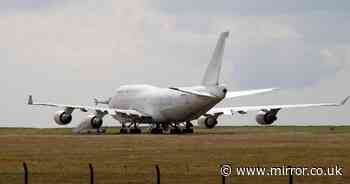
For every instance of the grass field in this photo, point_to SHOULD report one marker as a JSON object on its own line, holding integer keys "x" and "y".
{"x": 57, "y": 156}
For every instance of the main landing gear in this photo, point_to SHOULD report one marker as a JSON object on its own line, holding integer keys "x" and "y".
{"x": 132, "y": 129}
{"x": 124, "y": 129}
{"x": 157, "y": 130}
{"x": 188, "y": 128}
{"x": 135, "y": 129}
{"x": 175, "y": 129}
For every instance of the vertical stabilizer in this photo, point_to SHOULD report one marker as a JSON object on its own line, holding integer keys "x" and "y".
{"x": 212, "y": 74}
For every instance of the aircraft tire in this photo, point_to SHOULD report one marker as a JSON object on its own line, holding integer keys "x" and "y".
{"x": 156, "y": 131}
{"x": 188, "y": 131}
{"x": 175, "y": 131}
{"x": 135, "y": 131}
{"x": 123, "y": 131}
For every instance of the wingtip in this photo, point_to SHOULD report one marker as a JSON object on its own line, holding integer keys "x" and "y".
{"x": 345, "y": 100}
{"x": 271, "y": 89}
{"x": 30, "y": 100}
{"x": 226, "y": 34}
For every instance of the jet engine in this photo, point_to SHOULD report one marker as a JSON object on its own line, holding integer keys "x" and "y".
{"x": 267, "y": 117}
{"x": 207, "y": 122}
{"x": 62, "y": 118}
{"x": 92, "y": 121}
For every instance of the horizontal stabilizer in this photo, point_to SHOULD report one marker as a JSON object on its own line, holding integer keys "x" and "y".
{"x": 248, "y": 92}
{"x": 344, "y": 101}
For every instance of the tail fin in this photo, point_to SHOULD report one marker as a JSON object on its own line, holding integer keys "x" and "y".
{"x": 212, "y": 74}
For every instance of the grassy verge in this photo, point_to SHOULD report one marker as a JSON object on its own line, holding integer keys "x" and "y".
{"x": 58, "y": 156}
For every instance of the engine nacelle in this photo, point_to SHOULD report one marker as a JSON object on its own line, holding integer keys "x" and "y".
{"x": 62, "y": 118}
{"x": 207, "y": 122}
{"x": 92, "y": 121}
{"x": 267, "y": 117}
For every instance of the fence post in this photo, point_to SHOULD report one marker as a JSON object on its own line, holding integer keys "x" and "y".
{"x": 158, "y": 174}
{"x": 91, "y": 174}
{"x": 290, "y": 176}
{"x": 25, "y": 173}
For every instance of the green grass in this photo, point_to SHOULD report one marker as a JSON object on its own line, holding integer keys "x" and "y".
{"x": 58, "y": 156}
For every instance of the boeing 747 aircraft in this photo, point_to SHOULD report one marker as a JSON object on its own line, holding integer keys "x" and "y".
{"x": 172, "y": 108}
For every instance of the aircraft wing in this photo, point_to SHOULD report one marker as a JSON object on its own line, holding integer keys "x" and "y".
{"x": 245, "y": 109}
{"x": 248, "y": 92}
{"x": 111, "y": 111}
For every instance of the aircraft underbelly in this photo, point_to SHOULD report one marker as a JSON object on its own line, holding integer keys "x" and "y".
{"x": 187, "y": 110}
{"x": 176, "y": 114}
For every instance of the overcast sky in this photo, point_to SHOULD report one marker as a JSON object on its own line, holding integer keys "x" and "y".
{"x": 67, "y": 51}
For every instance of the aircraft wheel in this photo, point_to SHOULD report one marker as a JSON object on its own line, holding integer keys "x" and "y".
{"x": 156, "y": 131}
{"x": 135, "y": 131}
{"x": 100, "y": 131}
{"x": 175, "y": 131}
{"x": 123, "y": 131}
{"x": 188, "y": 131}
{"x": 189, "y": 124}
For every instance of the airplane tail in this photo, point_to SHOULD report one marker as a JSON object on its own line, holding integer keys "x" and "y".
{"x": 212, "y": 74}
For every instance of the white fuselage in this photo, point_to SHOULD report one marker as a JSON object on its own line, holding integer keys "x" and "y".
{"x": 166, "y": 105}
